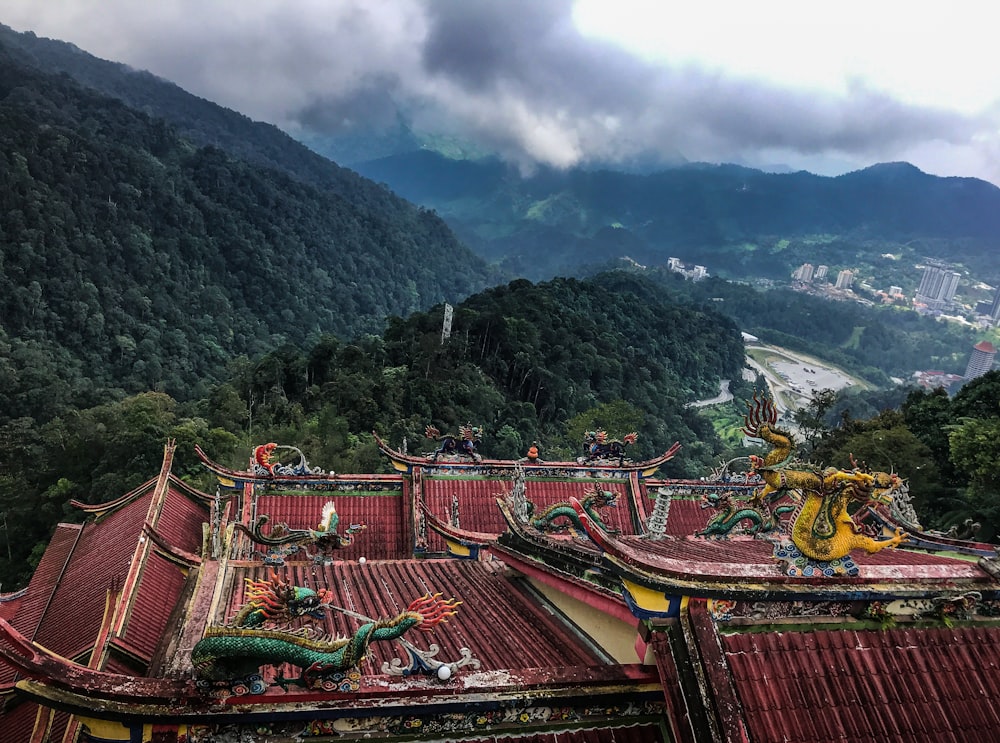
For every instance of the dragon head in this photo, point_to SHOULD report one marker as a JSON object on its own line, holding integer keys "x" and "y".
{"x": 275, "y": 600}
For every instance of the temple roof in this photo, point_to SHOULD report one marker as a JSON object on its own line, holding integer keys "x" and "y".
{"x": 692, "y": 636}
{"x": 864, "y": 685}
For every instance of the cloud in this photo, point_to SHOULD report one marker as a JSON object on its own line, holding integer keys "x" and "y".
{"x": 515, "y": 75}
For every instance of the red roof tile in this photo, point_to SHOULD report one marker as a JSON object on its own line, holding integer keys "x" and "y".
{"x": 179, "y": 520}
{"x": 155, "y": 598}
{"x": 499, "y": 621}
{"x": 46, "y": 575}
{"x": 386, "y": 536}
{"x": 100, "y": 562}
{"x": 43, "y": 584}
{"x": 18, "y": 722}
{"x": 862, "y": 685}
{"x": 477, "y": 507}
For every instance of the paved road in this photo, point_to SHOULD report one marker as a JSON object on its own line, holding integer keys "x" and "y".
{"x": 724, "y": 396}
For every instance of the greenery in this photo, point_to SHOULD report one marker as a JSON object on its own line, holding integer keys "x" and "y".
{"x": 529, "y": 363}
{"x": 133, "y": 260}
{"x": 946, "y": 447}
{"x": 172, "y": 270}
{"x": 736, "y": 221}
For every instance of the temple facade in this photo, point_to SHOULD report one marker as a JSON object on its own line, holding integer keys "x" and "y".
{"x": 468, "y": 599}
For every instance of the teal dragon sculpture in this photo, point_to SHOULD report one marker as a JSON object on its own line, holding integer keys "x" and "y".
{"x": 731, "y": 512}
{"x": 234, "y": 652}
{"x": 325, "y": 539}
{"x": 567, "y": 516}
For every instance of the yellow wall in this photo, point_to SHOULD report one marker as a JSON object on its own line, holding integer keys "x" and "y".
{"x": 616, "y": 637}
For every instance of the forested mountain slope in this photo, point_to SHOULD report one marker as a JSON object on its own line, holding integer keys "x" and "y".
{"x": 525, "y": 362}
{"x": 737, "y": 221}
{"x": 133, "y": 258}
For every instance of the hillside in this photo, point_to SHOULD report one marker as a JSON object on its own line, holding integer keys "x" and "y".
{"x": 735, "y": 220}
{"x": 135, "y": 258}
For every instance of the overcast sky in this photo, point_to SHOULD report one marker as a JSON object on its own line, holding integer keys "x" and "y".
{"x": 822, "y": 86}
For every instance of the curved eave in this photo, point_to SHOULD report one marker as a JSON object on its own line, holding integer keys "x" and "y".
{"x": 604, "y": 685}
{"x": 170, "y": 551}
{"x": 463, "y": 537}
{"x": 46, "y": 669}
{"x": 406, "y": 462}
{"x": 235, "y": 478}
{"x": 731, "y": 580}
{"x": 935, "y": 542}
{"x": 101, "y": 508}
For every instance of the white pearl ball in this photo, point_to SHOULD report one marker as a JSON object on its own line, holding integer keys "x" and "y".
{"x": 362, "y": 560}
{"x": 444, "y": 672}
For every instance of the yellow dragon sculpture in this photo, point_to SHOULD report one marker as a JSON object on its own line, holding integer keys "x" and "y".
{"x": 823, "y": 529}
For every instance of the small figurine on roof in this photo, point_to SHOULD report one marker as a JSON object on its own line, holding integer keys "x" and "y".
{"x": 262, "y": 456}
{"x": 454, "y": 446}
{"x": 597, "y": 445}
{"x": 532, "y": 456}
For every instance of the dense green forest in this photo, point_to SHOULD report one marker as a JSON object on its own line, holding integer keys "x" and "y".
{"x": 528, "y": 363}
{"x": 170, "y": 269}
{"x": 133, "y": 259}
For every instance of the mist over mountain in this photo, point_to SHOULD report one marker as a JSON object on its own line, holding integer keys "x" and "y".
{"x": 737, "y": 221}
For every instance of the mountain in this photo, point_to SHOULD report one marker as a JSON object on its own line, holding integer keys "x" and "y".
{"x": 144, "y": 251}
{"x": 735, "y": 220}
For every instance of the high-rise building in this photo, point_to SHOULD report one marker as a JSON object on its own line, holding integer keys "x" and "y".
{"x": 821, "y": 272}
{"x": 845, "y": 279}
{"x": 980, "y": 360}
{"x": 804, "y": 273}
{"x": 937, "y": 286}
{"x": 995, "y": 308}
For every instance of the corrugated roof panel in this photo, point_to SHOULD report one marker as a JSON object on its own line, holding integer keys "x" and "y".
{"x": 928, "y": 684}
{"x": 100, "y": 562}
{"x": 385, "y": 537}
{"x": 155, "y": 598}
{"x": 492, "y": 604}
{"x": 180, "y": 519}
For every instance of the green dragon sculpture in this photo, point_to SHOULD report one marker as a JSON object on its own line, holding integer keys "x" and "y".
{"x": 762, "y": 517}
{"x": 593, "y": 500}
{"x": 325, "y": 538}
{"x": 254, "y": 639}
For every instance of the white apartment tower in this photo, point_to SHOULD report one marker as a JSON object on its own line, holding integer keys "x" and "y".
{"x": 803, "y": 273}
{"x": 980, "y": 360}
{"x": 937, "y": 286}
{"x": 845, "y": 279}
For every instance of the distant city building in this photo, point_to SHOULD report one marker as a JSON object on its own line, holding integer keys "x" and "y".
{"x": 933, "y": 379}
{"x": 937, "y": 286}
{"x": 845, "y": 279}
{"x": 995, "y": 309}
{"x": 803, "y": 273}
{"x": 895, "y": 291}
{"x": 981, "y": 360}
{"x": 695, "y": 273}
{"x": 821, "y": 272}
